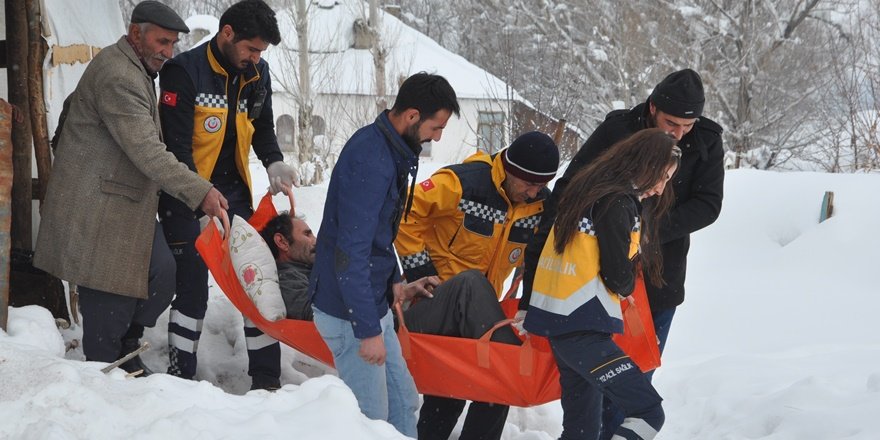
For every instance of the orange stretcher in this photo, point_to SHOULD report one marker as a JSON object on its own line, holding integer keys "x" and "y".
{"x": 469, "y": 369}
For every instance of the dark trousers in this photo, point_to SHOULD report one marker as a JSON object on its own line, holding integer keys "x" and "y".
{"x": 592, "y": 366}
{"x": 463, "y": 306}
{"x": 108, "y": 318}
{"x": 191, "y": 302}
{"x": 612, "y": 416}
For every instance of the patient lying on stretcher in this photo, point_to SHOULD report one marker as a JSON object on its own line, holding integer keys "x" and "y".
{"x": 459, "y": 307}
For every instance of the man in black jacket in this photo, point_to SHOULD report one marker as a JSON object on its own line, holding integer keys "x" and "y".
{"x": 215, "y": 107}
{"x": 675, "y": 105}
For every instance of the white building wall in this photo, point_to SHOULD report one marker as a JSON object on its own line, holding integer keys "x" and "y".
{"x": 345, "y": 114}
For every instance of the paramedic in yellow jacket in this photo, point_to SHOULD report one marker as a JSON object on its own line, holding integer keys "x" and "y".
{"x": 587, "y": 267}
{"x": 469, "y": 224}
{"x": 215, "y": 104}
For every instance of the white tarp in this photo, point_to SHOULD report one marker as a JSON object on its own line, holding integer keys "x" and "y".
{"x": 70, "y": 26}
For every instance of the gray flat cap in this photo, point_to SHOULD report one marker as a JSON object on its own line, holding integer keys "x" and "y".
{"x": 154, "y": 12}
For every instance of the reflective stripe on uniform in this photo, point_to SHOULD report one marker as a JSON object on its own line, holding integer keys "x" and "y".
{"x": 565, "y": 306}
{"x": 639, "y": 427}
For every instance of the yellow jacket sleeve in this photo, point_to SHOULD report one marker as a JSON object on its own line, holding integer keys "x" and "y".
{"x": 435, "y": 204}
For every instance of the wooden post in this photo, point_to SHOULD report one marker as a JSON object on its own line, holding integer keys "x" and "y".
{"x": 17, "y": 70}
{"x": 827, "y": 206}
{"x": 5, "y": 206}
{"x": 560, "y": 131}
{"x": 40, "y": 128}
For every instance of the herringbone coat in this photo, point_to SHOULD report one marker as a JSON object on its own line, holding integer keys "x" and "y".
{"x": 98, "y": 219}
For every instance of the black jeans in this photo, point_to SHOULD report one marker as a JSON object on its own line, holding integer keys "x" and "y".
{"x": 108, "y": 316}
{"x": 463, "y": 306}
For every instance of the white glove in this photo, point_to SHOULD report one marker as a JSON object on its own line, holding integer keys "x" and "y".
{"x": 281, "y": 177}
{"x": 518, "y": 320}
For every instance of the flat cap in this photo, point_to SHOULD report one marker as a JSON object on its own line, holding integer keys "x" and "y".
{"x": 159, "y": 14}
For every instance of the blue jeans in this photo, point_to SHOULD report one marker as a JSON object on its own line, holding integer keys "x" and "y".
{"x": 385, "y": 392}
{"x": 612, "y": 416}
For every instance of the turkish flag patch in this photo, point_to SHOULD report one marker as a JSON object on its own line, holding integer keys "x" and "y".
{"x": 169, "y": 98}
{"x": 427, "y": 185}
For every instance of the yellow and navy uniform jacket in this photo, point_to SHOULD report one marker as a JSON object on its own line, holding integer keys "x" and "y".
{"x": 572, "y": 292}
{"x": 461, "y": 219}
{"x": 206, "y": 109}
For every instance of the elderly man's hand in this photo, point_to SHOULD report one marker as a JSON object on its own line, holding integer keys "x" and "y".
{"x": 214, "y": 203}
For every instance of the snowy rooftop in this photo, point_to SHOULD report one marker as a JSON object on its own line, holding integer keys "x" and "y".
{"x": 340, "y": 69}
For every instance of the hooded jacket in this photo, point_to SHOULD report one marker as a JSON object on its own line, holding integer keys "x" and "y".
{"x": 462, "y": 219}
{"x": 698, "y": 185}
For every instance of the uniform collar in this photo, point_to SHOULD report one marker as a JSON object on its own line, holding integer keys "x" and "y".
{"x": 219, "y": 64}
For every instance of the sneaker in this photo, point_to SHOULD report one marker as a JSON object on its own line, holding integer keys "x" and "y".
{"x": 261, "y": 382}
{"x": 135, "y": 363}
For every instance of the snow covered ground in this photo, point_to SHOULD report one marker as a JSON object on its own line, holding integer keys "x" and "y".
{"x": 777, "y": 340}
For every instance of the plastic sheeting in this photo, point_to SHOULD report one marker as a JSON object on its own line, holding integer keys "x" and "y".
{"x": 73, "y": 30}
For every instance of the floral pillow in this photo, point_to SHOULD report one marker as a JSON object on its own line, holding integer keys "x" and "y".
{"x": 255, "y": 268}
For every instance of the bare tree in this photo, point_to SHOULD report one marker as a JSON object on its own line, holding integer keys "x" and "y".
{"x": 305, "y": 140}
{"x": 379, "y": 54}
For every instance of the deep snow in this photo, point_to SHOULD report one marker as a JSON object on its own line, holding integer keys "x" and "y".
{"x": 776, "y": 340}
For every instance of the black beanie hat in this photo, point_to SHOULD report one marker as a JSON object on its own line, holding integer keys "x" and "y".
{"x": 680, "y": 94}
{"x": 532, "y": 157}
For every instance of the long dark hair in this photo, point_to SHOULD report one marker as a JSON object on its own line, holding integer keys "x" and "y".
{"x": 631, "y": 166}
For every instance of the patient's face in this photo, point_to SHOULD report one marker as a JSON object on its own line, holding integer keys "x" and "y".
{"x": 303, "y": 247}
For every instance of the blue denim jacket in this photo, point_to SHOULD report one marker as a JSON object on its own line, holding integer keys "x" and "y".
{"x": 355, "y": 263}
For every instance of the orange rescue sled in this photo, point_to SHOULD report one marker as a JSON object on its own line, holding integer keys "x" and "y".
{"x": 462, "y": 368}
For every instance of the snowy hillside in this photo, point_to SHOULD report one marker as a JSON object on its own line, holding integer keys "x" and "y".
{"x": 777, "y": 340}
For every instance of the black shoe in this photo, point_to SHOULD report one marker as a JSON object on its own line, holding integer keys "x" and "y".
{"x": 268, "y": 383}
{"x": 135, "y": 363}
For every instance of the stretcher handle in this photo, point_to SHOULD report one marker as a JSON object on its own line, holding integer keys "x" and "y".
{"x": 402, "y": 333}
{"x": 292, "y": 203}
{"x": 224, "y": 218}
{"x": 526, "y": 351}
{"x": 514, "y": 286}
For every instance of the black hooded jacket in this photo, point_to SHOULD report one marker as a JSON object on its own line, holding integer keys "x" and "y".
{"x": 698, "y": 186}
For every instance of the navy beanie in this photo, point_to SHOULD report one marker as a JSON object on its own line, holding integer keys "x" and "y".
{"x": 532, "y": 157}
{"x": 680, "y": 94}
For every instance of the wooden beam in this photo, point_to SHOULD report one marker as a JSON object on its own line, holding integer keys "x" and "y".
{"x": 827, "y": 206}
{"x": 37, "y": 48}
{"x": 560, "y": 131}
{"x": 5, "y": 207}
{"x": 17, "y": 56}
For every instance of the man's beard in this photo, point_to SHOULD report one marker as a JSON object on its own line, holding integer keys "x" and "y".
{"x": 411, "y": 136}
{"x": 228, "y": 52}
{"x": 157, "y": 59}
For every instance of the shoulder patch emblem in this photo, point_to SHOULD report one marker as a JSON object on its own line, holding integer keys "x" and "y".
{"x": 427, "y": 185}
{"x": 514, "y": 255}
{"x": 212, "y": 124}
{"x": 169, "y": 98}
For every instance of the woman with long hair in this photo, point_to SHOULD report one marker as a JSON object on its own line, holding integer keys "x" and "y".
{"x": 588, "y": 266}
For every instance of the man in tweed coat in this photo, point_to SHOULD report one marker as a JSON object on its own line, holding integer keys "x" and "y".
{"x": 98, "y": 227}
